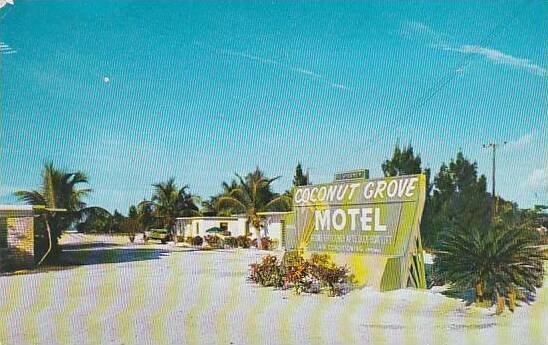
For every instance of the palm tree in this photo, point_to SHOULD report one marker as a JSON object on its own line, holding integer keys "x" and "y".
{"x": 58, "y": 191}
{"x": 496, "y": 259}
{"x": 253, "y": 195}
{"x": 170, "y": 202}
{"x": 145, "y": 215}
{"x": 211, "y": 206}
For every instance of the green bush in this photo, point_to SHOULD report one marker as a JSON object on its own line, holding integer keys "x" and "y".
{"x": 265, "y": 241}
{"x": 197, "y": 241}
{"x": 243, "y": 241}
{"x": 213, "y": 240}
{"x": 267, "y": 273}
{"x": 229, "y": 241}
{"x": 495, "y": 260}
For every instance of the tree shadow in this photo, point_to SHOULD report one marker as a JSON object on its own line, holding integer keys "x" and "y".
{"x": 107, "y": 255}
{"x": 87, "y": 245}
{"x": 89, "y": 254}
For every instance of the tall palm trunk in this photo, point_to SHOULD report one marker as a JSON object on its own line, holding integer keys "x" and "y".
{"x": 256, "y": 221}
{"x": 259, "y": 239}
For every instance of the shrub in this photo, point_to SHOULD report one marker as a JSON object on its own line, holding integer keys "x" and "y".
{"x": 311, "y": 276}
{"x": 197, "y": 241}
{"x": 230, "y": 241}
{"x": 336, "y": 278}
{"x": 189, "y": 239}
{"x": 213, "y": 240}
{"x": 243, "y": 241}
{"x": 268, "y": 272}
{"x": 495, "y": 260}
{"x": 265, "y": 241}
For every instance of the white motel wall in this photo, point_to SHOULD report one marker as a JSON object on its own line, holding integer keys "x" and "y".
{"x": 237, "y": 225}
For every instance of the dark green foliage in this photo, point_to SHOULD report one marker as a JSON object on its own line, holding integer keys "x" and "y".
{"x": 300, "y": 178}
{"x": 403, "y": 162}
{"x": 197, "y": 241}
{"x": 169, "y": 202}
{"x": 132, "y": 213}
{"x": 459, "y": 199}
{"x": 59, "y": 190}
{"x": 502, "y": 256}
{"x": 146, "y": 217}
{"x": 253, "y": 195}
{"x": 250, "y": 194}
{"x": 96, "y": 220}
{"x": 229, "y": 241}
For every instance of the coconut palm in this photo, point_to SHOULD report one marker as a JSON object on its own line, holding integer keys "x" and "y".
{"x": 170, "y": 202}
{"x": 253, "y": 195}
{"x": 495, "y": 259}
{"x": 95, "y": 219}
{"x": 211, "y": 206}
{"x": 58, "y": 191}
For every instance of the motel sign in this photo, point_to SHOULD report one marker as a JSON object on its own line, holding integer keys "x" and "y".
{"x": 372, "y": 225}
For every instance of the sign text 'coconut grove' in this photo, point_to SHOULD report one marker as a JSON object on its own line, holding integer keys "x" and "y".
{"x": 369, "y": 216}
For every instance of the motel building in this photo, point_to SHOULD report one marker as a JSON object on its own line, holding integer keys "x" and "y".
{"x": 236, "y": 225}
{"x": 22, "y": 236}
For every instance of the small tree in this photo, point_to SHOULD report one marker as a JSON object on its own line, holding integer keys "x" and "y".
{"x": 497, "y": 258}
{"x": 59, "y": 190}
{"x": 300, "y": 178}
{"x": 170, "y": 202}
{"x": 254, "y": 195}
{"x": 459, "y": 199}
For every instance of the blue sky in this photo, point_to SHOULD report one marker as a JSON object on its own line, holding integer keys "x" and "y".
{"x": 200, "y": 90}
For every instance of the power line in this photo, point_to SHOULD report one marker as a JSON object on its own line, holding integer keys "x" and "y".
{"x": 465, "y": 62}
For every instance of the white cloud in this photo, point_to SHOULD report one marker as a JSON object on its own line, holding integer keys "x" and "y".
{"x": 498, "y": 57}
{"x": 439, "y": 41}
{"x": 521, "y": 142}
{"x": 248, "y": 56}
{"x": 341, "y": 86}
{"x": 539, "y": 178}
{"x": 306, "y": 72}
{"x": 5, "y": 2}
{"x": 410, "y": 28}
{"x": 298, "y": 70}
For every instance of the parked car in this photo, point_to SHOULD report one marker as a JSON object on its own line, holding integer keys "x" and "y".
{"x": 162, "y": 235}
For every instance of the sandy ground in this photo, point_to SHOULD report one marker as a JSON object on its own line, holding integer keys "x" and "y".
{"x": 160, "y": 294}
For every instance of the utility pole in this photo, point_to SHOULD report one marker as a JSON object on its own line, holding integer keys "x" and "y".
{"x": 493, "y": 146}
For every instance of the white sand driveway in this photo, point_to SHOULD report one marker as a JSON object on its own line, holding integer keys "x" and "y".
{"x": 157, "y": 294}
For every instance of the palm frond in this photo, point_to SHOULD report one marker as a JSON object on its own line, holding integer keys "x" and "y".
{"x": 227, "y": 201}
{"x": 30, "y": 197}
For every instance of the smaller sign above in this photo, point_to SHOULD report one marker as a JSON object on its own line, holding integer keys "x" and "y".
{"x": 352, "y": 175}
